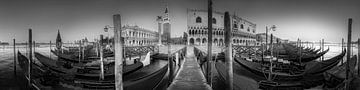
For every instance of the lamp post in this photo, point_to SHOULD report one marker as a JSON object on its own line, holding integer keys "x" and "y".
{"x": 106, "y": 29}
{"x": 273, "y": 27}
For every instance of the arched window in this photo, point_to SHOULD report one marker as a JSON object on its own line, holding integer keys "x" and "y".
{"x": 235, "y": 26}
{"x": 213, "y": 20}
{"x": 198, "y": 19}
{"x": 242, "y": 26}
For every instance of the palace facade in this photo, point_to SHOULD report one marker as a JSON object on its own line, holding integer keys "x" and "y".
{"x": 243, "y": 31}
{"x": 136, "y": 36}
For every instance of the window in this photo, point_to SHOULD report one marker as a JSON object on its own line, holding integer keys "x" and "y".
{"x": 235, "y": 24}
{"x": 213, "y": 20}
{"x": 248, "y": 29}
{"x": 242, "y": 26}
{"x": 198, "y": 20}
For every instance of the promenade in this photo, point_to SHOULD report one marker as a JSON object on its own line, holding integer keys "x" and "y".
{"x": 190, "y": 76}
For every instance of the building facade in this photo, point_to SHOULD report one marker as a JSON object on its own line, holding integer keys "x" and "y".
{"x": 243, "y": 31}
{"x": 136, "y": 36}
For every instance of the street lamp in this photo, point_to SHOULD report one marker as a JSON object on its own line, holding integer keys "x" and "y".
{"x": 272, "y": 28}
{"x": 106, "y": 29}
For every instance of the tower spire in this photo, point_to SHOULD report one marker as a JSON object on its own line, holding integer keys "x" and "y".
{"x": 166, "y": 17}
{"x": 58, "y": 40}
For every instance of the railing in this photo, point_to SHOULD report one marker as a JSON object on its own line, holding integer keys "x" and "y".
{"x": 177, "y": 60}
{"x": 201, "y": 59}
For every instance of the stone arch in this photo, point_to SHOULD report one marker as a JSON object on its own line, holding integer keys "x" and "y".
{"x": 215, "y": 41}
{"x": 204, "y": 40}
{"x": 221, "y": 42}
{"x": 198, "y": 41}
{"x": 198, "y": 19}
{"x": 213, "y": 20}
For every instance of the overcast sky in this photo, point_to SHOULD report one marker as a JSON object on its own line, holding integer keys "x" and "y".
{"x": 309, "y": 20}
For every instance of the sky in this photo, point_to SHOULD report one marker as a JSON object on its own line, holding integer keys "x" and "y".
{"x": 309, "y": 20}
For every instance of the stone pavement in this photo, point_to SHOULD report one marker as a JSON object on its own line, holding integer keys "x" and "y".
{"x": 190, "y": 76}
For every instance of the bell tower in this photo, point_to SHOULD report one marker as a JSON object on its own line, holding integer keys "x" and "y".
{"x": 166, "y": 25}
{"x": 159, "y": 19}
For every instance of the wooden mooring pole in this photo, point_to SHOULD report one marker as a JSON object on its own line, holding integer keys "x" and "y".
{"x": 322, "y": 49}
{"x": 342, "y": 49}
{"x": 300, "y": 52}
{"x": 228, "y": 52}
{"x": 358, "y": 57}
{"x": 14, "y": 46}
{"x": 271, "y": 59}
{"x": 50, "y": 50}
{"x": 101, "y": 60}
{"x": 348, "y": 54}
{"x": 209, "y": 51}
{"x": 83, "y": 50}
{"x": 34, "y": 45}
{"x": 79, "y": 50}
{"x": 30, "y": 59}
{"x": 118, "y": 52}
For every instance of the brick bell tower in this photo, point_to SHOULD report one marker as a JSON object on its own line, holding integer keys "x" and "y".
{"x": 166, "y": 25}
{"x": 159, "y": 19}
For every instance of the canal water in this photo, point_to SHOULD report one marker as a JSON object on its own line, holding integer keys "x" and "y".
{"x": 7, "y": 80}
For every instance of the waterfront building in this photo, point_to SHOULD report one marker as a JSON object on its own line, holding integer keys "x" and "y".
{"x": 243, "y": 31}
{"x": 136, "y": 36}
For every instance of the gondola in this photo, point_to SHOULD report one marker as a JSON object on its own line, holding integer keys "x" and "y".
{"x": 58, "y": 66}
{"x": 139, "y": 79}
{"x": 325, "y": 65}
{"x": 319, "y": 67}
{"x": 337, "y": 75}
{"x": 145, "y": 78}
{"x": 72, "y": 57}
{"x": 305, "y": 57}
{"x": 40, "y": 78}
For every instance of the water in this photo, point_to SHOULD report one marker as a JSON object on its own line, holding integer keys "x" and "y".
{"x": 7, "y": 76}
